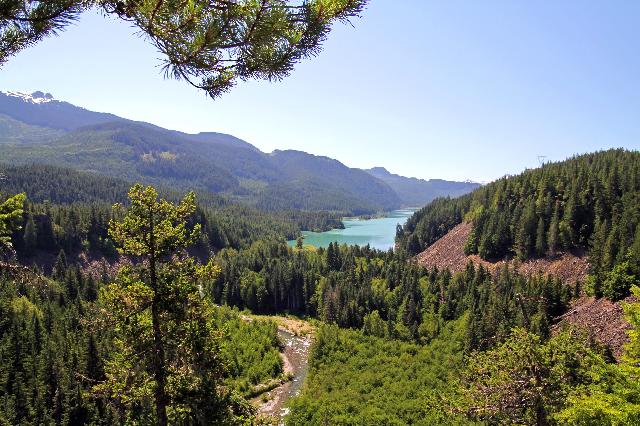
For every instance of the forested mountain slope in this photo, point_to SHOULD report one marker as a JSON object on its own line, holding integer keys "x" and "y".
{"x": 419, "y": 192}
{"x": 130, "y": 151}
{"x": 39, "y": 129}
{"x": 70, "y": 210}
{"x": 60, "y": 185}
{"x": 64, "y": 135}
{"x": 305, "y": 175}
{"x": 18, "y": 132}
{"x": 587, "y": 203}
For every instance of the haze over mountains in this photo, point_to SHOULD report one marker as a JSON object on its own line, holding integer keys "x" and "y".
{"x": 418, "y": 192}
{"x": 36, "y": 128}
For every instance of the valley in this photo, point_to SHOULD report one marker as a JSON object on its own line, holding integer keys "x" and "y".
{"x": 390, "y": 336}
{"x": 295, "y": 350}
{"x": 438, "y": 223}
{"x": 545, "y": 262}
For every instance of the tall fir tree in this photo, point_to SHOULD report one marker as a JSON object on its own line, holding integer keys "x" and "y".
{"x": 166, "y": 344}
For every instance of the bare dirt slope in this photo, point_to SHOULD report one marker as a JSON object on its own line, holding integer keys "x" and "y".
{"x": 603, "y": 319}
{"x": 448, "y": 252}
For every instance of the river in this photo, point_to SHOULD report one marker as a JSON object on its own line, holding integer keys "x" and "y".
{"x": 296, "y": 363}
{"x": 379, "y": 233}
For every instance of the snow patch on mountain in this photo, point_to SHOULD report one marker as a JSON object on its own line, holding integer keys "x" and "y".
{"x": 34, "y": 98}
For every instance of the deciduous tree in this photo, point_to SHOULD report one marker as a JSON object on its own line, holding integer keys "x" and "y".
{"x": 10, "y": 216}
{"x": 525, "y": 380}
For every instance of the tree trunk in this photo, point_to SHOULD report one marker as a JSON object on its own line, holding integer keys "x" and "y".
{"x": 159, "y": 369}
{"x": 158, "y": 360}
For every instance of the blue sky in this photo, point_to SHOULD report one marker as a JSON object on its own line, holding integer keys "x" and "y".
{"x": 447, "y": 89}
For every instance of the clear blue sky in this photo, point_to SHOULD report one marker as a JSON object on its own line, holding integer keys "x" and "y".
{"x": 447, "y": 89}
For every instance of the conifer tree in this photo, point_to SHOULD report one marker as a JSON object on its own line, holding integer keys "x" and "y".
{"x": 60, "y": 267}
{"x": 333, "y": 256}
{"x": 209, "y": 44}
{"x": 552, "y": 237}
{"x": 91, "y": 289}
{"x": 619, "y": 281}
{"x": 541, "y": 239}
{"x": 166, "y": 345}
{"x": 94, "y": 369}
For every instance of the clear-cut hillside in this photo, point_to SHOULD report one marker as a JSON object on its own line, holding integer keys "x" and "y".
{"x": 568, "y": 219}
{"x": 448, "y": 253}
{"x": 601, "y": 318}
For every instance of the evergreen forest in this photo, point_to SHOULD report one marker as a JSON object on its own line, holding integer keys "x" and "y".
{"x": 123, "y": 304}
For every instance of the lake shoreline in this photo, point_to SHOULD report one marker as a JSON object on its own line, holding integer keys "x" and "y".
{"x": 378, "y": 233}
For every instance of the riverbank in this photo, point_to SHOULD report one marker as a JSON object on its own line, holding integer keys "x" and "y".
{"x": 296, "y": 337}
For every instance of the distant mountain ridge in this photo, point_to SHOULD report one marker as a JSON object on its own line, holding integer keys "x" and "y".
{"x": 42, "y": 109}
{"x": 416, "y": 192}
{"x": 37, "y": 128}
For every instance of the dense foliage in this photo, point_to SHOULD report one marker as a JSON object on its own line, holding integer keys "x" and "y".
{"x": 249, "y": 349}
{"x": 166, "y": 364}
{"x": 10, "y": 215}
{"x": 526, "y": 379}
{"x": 70, "y": 211}
{"x": 358, "y": 379}
{"x": 401, "y": 344}
{"x": 589, "y": 202}
{"x": 61, "y": 186}
{"x": 51, "y": 353}
{"x": 145, "y": 347}
{"x": 380, "y": 293}
{"x": 384, "y": 293}
{"x": 432, "y": 222}
{"x": 355, "y": 379}
{"x": 49, "y": 228}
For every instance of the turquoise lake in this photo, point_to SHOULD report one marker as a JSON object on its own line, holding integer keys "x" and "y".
{"x": 379, "y": 233}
